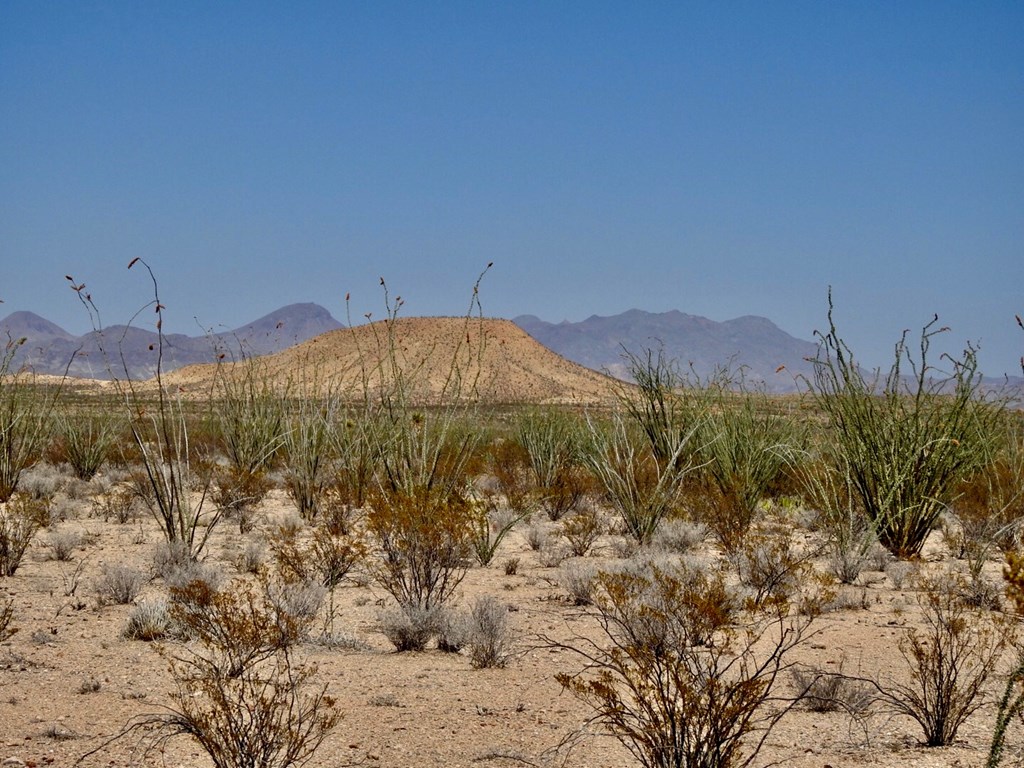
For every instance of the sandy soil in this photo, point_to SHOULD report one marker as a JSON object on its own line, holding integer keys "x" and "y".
{"x": 69, "y": 681}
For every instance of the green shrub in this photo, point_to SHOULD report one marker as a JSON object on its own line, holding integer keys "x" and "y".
{"x": 906, "y": 440}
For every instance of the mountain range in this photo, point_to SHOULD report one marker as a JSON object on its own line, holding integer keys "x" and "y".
{"x": 766, "y": 353}
{"x": 118, "y": 349}
{"x": 751, "y": 346}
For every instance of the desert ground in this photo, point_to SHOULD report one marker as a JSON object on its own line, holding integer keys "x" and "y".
{"x": 70, "y": 680}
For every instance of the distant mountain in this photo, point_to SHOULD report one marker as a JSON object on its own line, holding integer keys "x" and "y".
{"x": 29, "y": 325}
{"x": 694, "y": 342}
{"x": 281, "y": 329}
{"x": 50, "y": 349}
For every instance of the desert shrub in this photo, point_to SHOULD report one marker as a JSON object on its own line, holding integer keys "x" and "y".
{"x": 240, "y": 625}
{"x": 423, "y": 543}
{"x": 1011, "y": 703}
{"x": 409, "y": 627}
{"x": 25, "y": 412}
{"x": 489, "y": 641}
{"x": 624, "y": 547}
{"x": 172, "y": 483}
{"x": 906, "y": 440}
{"x": 678, "y": 683}
{"x": 118, "y": 504}
{"x": 552, "y": 554}
{"x": 988, "y": 504}
{"x": 174, "y": 564}
{"x": 824, "y": 691}
{"x": 249, "y": 420}
{"x": 511, "y": 566}
{"x": 42, "y": 481}
{"x": 119, "y": 584}
{"x": 582, "y": 530}
{"x": 770, "y": 564}
{"x": 744, "y": 447}
{"x": 307, "y": 451}
{"x": 950, "y": 659}
{"x": 453, "y": 626}
{"x": 325, "y": 557}
{"x": 678, "y": 535}
{"x": 664, "y": 406}
{"x": 6, "y": 617}
{"x": 536, "y": 535}
{"x": 171, "y": 557}
{"x": 62, "y": 544}
{"x": 552, "y": 440}
{"x": 239, "y": 692}
{"x": 641, "y": 489}
{"x": 899, "y": 571}
{"x": 252, "y": 558}
{"x": 491, "y": 526}
{"x": 237, "y": 491}
{"x": 85, "y": 440}
{"x": 850, "y": 538}
{"x": 148, "y": 621}
{"x": 355, "y": 447}
{"x": 509, "y": 463}
{"x": 579, "y": 579}
{"x": 297, "y": 603}
{"x": 19, "y": 521}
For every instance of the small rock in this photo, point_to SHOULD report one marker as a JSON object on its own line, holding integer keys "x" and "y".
{"x": 13, "y": 762}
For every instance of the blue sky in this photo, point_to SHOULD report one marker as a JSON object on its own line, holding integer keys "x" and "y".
{"x": 717, "y": 158}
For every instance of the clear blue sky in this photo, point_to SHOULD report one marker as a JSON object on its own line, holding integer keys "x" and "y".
{"x": 717, "y": 158}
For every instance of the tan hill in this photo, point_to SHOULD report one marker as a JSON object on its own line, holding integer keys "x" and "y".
{"x": 492, "y": 360}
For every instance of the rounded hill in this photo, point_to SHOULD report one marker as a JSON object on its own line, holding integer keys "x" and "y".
{"x": 433, "y": 358}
